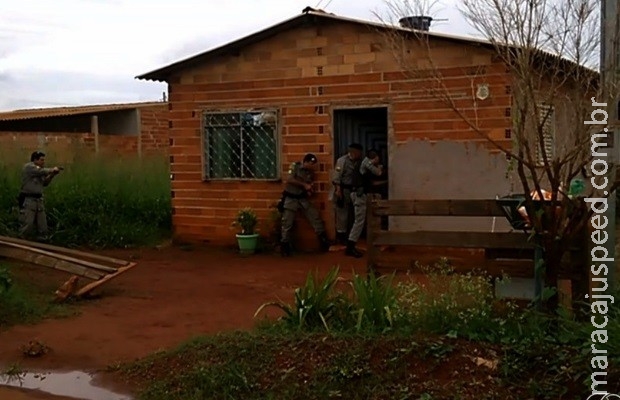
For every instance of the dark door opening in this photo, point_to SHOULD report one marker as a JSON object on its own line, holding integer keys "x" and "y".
{"x": 367, "y": 126}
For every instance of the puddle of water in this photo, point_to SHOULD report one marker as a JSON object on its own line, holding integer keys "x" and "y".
{"x": 74, "y": 384}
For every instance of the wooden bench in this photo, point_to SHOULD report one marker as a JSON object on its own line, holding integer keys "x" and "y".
{"x": 504, "y": 253}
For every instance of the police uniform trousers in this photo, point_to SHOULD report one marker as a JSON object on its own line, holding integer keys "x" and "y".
{"x": 33, "y": 214}
{"x": 358, "y": 199}
{"x": 291, "y": 206}
{"x": 342, "y": 213}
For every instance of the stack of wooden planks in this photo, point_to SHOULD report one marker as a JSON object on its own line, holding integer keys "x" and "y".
{"x": 96, "y": 268}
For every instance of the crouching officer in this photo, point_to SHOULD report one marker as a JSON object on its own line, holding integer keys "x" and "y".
{"x": 364, "y": 182}
{"x": 296, "y": 193}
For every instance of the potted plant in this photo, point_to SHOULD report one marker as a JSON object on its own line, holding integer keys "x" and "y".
{"x": 247, "y": 238}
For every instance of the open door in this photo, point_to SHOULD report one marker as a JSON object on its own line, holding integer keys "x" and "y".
{"x": 367, "y": 126}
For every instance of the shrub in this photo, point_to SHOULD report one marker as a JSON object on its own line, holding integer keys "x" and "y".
{"x": 460, "y": 304}
{"x": 316, "y": 305}
{"x": 375, "y": 302}
{"x": 319, "y": 306}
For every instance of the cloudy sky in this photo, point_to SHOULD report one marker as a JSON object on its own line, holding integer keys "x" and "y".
{"x": 75, "y": 52}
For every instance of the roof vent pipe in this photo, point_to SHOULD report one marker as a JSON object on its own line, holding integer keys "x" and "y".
{"x": 418, "y": 22}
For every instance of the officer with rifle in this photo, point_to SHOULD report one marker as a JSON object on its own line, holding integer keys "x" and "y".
{"x": 35, "y": 177}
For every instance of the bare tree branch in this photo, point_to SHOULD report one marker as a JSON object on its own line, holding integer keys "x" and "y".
{"x": 548, "y": 48}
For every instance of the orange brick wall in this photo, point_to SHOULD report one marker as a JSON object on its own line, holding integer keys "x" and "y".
{"x": 153, "y": 138}
{"x": 64, "y": 147}
{"x": 282, "y": 72}
{"x": 154, "y": 129}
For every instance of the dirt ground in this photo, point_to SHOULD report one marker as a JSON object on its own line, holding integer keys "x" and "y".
{"x": 170, "y": 296}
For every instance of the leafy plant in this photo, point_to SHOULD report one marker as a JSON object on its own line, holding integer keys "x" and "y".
{"x": 246, "y": 220}
{"x": 315, "y": 304}
{"x": 376, "y": 302}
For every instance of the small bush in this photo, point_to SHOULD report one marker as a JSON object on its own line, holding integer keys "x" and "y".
{"x": 375, "y": 302}
{"x": 459, "y": 304}
{"x": 316, "y": 305}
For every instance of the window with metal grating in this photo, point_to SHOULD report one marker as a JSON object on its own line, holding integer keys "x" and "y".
{"x": 241, "y": 145}
{"x": 546, "y": 121}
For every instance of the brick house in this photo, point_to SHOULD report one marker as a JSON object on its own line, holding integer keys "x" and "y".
{"x": 128, "y": 128}
{"x": 241, "y": 113}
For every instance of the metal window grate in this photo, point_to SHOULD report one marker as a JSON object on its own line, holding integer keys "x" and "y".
{"x": 546, "y": 115}
{"x": 241, "y": 145}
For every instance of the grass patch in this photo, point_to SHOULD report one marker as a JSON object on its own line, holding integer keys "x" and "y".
{"x": 443, "y": 338}
{"x": 259, "y": 365}
{"x": 97, "y": 201}
{"x": 24, "y": 303}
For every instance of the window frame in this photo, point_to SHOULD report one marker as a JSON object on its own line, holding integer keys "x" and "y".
{"x": 549, "y": 111}
{"x": 205, "y": 143}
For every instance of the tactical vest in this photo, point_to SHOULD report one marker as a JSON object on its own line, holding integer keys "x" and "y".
{"x": 357, "y": 180}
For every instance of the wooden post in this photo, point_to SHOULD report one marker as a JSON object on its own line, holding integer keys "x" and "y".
{"x": 373, "y": 226}
{"x": 94, "y": 129}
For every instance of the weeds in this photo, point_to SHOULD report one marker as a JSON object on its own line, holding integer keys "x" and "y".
{"x": 315, "y": 305}
{"x": 415, "y": 341}
{"x": 375, "y": 302}
{"x": 453, "y": 306}
{"x": 14, "y": 372}
{"x": 23, "y": 304}
{"x": 97, "y": 202}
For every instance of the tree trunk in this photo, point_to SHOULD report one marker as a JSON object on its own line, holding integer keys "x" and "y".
{"x": 553, "y": 259}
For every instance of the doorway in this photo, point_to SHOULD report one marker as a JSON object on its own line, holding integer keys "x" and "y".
{"x": 368, "y": 127}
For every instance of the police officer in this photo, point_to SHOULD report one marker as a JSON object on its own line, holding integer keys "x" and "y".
{"x": 296, "y": 192}
{"x": 31, "y": 207}
{"x": 343, "y": 181}
{"x": 364, "y": 182}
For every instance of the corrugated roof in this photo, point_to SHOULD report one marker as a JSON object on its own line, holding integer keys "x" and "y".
{"x": 32, "y": 113}
{"x": 308, "y": 16}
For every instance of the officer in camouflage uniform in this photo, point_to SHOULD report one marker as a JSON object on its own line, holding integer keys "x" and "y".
{"x": 296, "y": 192}
{"x": 364, "y": 182}
{"x": 343, "y": 181}
{"x": 31, "y": 206}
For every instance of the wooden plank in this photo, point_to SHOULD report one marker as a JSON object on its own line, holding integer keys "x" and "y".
{"x": 63, "y": 250}
{"x": 478, "y": 240}
{"x": 495, "y": 269}
{"x": 61, "y": 257}
{"x": 93, "y": 285}
{"x": 50, "y": 261}
{"x": 458, "y": 208}
{"x": 373, "y": 226}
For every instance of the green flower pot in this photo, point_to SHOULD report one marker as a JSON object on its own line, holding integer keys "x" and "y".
{"x": 247, "y": 243}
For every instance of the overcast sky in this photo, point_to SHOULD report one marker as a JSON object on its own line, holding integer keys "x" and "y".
{"x": 76, "y": 52}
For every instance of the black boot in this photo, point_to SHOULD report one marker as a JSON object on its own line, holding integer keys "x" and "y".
{"x": 324, "y": 242}
{"x": 341, "y": 238}
{"x": 352, "y": 251}
{"x": 285, "y": 249}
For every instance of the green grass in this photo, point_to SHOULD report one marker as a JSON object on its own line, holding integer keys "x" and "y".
{"x": 24, "y": 302}
{"x": 97, "y": 201}
{"x": 382, "y": 340}
{"x": 272, "y": 365}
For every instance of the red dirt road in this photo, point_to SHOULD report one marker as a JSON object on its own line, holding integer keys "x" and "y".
{"x": 170, "y": 296}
